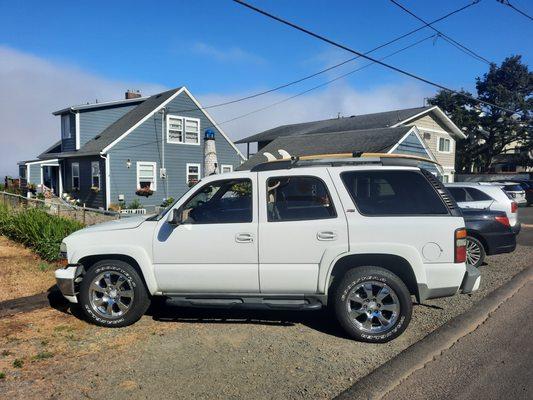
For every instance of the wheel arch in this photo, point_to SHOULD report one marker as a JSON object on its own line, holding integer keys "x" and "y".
{"x": 478, "y": 236}
{"x": 394, "y": 263}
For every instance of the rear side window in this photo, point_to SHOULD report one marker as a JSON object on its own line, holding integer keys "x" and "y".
{"x": 393, "y": 193}
{"x": 459, "y": 194}
{"x": 297, "y": 198}
{"x": 477, "y": 195}
{"x": 513, "y": 188}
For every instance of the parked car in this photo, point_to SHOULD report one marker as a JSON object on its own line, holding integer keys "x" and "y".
{"x": 485, "y": 196}
{"x": 356, "y": 235}
{"x": 488, "y": 233}
{"x": 514, "y": 191}
{"x": 527, "y": 186}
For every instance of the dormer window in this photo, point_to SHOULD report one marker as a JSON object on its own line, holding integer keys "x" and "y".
{"x": 65, "y": 126}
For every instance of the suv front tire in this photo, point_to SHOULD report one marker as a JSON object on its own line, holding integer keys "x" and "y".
{"x": 372, "y": 304}
{"x": 112, "y": 294}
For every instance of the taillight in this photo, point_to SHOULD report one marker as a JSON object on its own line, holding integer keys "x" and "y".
{"x": 502, "y": 219}
{"x": 460, "y": 245}
{"x": 514, "y": 207}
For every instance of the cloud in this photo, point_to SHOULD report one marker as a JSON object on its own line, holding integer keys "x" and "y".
{"x": 32, "y": 88}
{"x": 229, "y": 55}
{"x": 340, "y": 98}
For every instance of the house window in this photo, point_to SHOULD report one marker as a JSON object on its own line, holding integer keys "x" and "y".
{"x": 445, "y": 178}
{"x": 95, "y": 175}
{"x": 226, "y": 168}
{"x": 183, "y": 130}
{"x": 146, "y": 178}
{"x": 75, "y": 176}
{"x": 444, "y": 145}
{"x": 174, "y": 129}
{"x": 193, "y": 174}
{"x": 65, "y": 126}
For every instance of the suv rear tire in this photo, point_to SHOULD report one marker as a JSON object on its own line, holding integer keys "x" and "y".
{"x": 372, "y": 304}
{"x": 112, "y": 294}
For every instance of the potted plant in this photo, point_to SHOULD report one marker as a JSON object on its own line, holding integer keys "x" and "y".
{"x": 144, "y": 191}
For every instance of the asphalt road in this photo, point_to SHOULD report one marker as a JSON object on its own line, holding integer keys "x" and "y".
{"x": 493, "y": 362}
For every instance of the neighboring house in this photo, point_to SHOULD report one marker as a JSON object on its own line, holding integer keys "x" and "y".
{"x": 113, "y": 153}
{"x": 433, "y": 136}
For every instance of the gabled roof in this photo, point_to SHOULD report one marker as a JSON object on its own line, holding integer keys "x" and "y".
{"x": 123, "y": 124}
{"x": 357, "y": 122}
{"x": 365, "y": 140}
{"x": 100, "y": 105}
{"x": 51, "y": 152}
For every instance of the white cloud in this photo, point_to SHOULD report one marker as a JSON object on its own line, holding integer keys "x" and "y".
{"x": 32, "y": 88}
{"x": 230, "y": 55}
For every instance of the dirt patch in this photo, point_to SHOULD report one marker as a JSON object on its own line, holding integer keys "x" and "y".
{"x": 22, "y": 273}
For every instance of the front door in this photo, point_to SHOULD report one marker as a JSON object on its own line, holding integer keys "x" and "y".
{"x": 214, "y": 248}
{"x": 298, "y": 223}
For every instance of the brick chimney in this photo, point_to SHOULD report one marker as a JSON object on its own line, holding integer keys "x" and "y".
{"x": 132, "y": 94}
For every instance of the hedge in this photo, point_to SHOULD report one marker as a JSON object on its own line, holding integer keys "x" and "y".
{"x": 35, "y": 228}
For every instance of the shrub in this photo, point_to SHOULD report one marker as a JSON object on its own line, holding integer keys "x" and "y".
{"x": 37, "y": 229}
{"x": 167, "y": 202}
{"x": 134, "y": 205}
{"x": 18, "y": 363}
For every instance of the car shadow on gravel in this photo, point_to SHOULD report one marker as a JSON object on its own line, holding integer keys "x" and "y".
{"x": 320, "y": 320}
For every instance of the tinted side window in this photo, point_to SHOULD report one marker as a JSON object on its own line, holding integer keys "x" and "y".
{"x": 458, "y": 194}
{"x": 296, "y": 198}
{"x": 393, "y": 193}
{"x": 477, "y": 195}
{"x": 227, "y": 201}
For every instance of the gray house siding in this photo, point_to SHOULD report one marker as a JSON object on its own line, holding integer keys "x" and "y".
{"x": 69, "y": 144}
{"x": 144, "y": 144}
{"x": 411, "y": 145}
{"x": 35, "y": 174}
{"x": 93, "y": 122}
{"x": 85, "y": 194}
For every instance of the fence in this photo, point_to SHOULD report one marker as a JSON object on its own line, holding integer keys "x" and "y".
{"x": 85, "y": 215}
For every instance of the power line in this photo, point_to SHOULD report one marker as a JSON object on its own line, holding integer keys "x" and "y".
{"x": 507, "y": 3}
{"x": 389, "y": 66}
{"x": 297, "y": 94}
{"x": 285, "y": 85}
{"x": 453, "y": 42}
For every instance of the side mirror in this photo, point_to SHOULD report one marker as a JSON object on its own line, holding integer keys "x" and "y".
{"x": 174, "y": 217}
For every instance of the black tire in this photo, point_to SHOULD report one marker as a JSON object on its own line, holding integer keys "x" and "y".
{"x": 471, "y": 244}
{"x": 373, "y": 276}
{"x": 131, "y": 284}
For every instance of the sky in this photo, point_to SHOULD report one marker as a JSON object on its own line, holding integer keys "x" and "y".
{"x": 55, "y": 54}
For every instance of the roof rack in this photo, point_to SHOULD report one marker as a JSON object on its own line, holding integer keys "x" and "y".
{"x": 340, "y": 159}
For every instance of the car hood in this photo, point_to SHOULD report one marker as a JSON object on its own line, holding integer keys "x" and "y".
{"x": 117, "y": 224}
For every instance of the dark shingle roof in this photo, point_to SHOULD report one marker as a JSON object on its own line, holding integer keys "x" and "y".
{"x": 51, "y": 152}
{"x": 120, "y": 126}
{"x": 366, "y": 121}
{"x": 366, "y": 140}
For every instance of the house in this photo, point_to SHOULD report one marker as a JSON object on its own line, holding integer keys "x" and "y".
{"x": 421, "y": 131}
{"x": 144, "y": 148}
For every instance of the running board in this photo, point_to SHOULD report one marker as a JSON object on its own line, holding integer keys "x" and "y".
{"x": 252, "y": 302}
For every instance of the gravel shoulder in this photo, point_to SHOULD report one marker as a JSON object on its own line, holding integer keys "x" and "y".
{"x": 197, "y": 353}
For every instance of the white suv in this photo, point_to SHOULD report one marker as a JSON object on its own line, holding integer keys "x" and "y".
{"x": 360, "y": 236}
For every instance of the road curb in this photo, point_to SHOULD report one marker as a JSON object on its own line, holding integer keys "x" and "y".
{"x": 391, "y": 374}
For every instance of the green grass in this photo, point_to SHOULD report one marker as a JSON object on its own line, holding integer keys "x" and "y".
{"x": 2, "y": 375}
{"x": 43, "y": 267}
{"x": 37, "y": 229}
{"x": 18, "y": 363}
{"x": 43, "y": 355}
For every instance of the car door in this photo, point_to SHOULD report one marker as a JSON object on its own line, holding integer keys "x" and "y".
{"x": 214, "y": 247}
{"x": 300, "y": 219}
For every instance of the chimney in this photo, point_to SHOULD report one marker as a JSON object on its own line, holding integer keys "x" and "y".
{"x": 210, "y": 153}
{"x": 132, "y": 94}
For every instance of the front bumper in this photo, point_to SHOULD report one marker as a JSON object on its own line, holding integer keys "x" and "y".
{"x": 471, "y": 280}
{"x": 66, "y": 281}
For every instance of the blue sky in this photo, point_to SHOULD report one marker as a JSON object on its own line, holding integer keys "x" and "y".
{"x": 220, "y": 50}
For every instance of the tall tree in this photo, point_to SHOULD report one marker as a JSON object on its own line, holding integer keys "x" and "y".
{"x": 490, "y": 131}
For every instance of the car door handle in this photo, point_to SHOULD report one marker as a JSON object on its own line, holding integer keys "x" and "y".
{"x": 327, "y": 235}
{"x": 244, "y": 238}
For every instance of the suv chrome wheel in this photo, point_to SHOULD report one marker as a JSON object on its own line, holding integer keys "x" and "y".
{"x": 111, "y": 294}
{"x": 373, "y": 306}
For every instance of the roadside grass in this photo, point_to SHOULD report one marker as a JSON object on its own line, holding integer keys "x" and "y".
{"x": 36, "y": 229}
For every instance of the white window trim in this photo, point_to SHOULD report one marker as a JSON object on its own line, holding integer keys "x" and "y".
{"x": 222, "y": 166}
{"x": 442, "y": 151}
{"x": 183, "y": 129}
{"x": 73, "y": 176}
{"x": 99, "y": 174}
{"x": 187, "y": 171}
{"x": 154, "y": 165}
